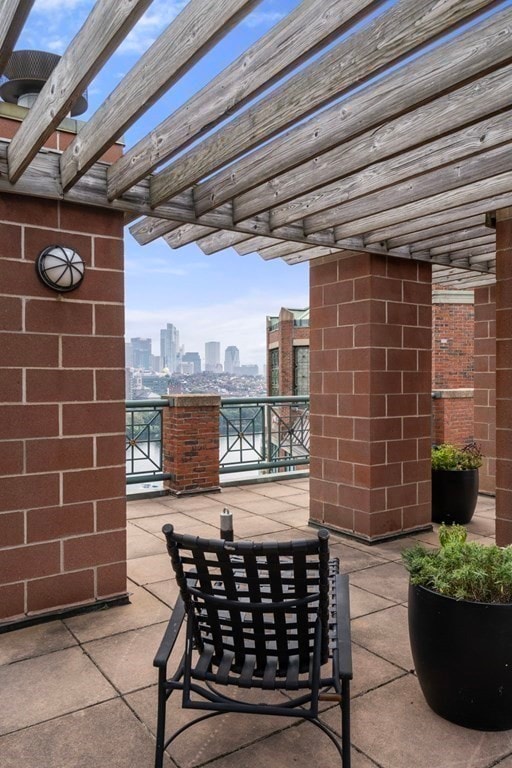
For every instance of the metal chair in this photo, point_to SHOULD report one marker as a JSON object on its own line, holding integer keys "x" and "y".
{"x": 268, "y": 615}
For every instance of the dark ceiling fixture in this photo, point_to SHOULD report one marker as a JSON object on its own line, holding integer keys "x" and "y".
{"x": 24, "y": 76}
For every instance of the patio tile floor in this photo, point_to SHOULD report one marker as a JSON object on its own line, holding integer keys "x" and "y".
{"x": 80, "y": 692}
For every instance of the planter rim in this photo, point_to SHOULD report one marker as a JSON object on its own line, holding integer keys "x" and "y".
{"x": 475, "y": 469}
{"x": 454, "y": 599}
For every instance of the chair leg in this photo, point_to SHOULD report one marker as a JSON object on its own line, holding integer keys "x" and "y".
{"x": 160, "y": 727}
{"x": 345, "y": 723}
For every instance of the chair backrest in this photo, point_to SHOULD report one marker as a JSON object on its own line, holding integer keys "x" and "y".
{"x": 256, "y": 599}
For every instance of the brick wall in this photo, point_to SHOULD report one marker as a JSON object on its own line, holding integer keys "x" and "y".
{"x": 191, "y": 443}
{"x": 452, "y": 416}
{"x": 283, "y": 337}
{"x": 485, "y": 383}
{"x": 452, "y": 339}
{"x": 370, "y": 394}
{"x": 62, "y": 473}
{"x": 504, "y": 377}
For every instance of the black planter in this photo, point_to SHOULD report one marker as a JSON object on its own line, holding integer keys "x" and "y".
{"x": 462, "y": 653}
{"x": 454, "y": 495}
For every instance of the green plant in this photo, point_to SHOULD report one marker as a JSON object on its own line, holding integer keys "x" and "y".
{"x": 448, "y": 456}
{"x": 465, "y": 570}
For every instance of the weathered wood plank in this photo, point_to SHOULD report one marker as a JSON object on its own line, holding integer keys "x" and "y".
{"x": 452, "y": 239}
{"x": 309, "y": 254}
{"x": 300, "y": 34}
{"x": 446, "y": 229}
{"x": 13, "y": 14}
{"x": 467, "y": 56}
{"x": 220, "y": 240}
{"x": 473, "y": 138}
{"x": 282, "y": 249}
{"x": 186, "y": 234}
{"x": 254, "y": 244}
{"x": 488, "y": 163}
{"x": 466, "y": 253}
{"x": 461, "y": 245}
{"x": 149, "y": 229}
{"x": 105, "y": 27}
{"x": 197, "y": 28}
{"x": 405, "y": 26}
{"x": 479, "y": 192}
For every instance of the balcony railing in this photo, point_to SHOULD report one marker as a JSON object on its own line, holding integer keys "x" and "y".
{"x": 144, "y": 441}
{"x": 256, "y": 434}
{"x": 266, "y": 433}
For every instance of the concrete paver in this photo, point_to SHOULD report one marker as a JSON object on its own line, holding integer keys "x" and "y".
{"x": 81, "y": 691}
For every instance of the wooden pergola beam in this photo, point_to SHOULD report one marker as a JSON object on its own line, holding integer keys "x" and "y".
{"x": 197, "y": 28}
{"x": 441, "y": 179}
{"x": 449, "y": 229}
{"x": 254, "y": 244}
{"x": 467, "y": 56}
{"x": 410, "y": 129}
{"x": 405, "y": 26}
{"x": 478, "y": 192}
{"x": 12, "y": 19}
{"x": 299, "y": 35}
{"x": 83, "y": 58}
{"x": 220, "y": 240}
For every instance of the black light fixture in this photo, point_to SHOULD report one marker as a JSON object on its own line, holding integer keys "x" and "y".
{"x": 60, "y": 268}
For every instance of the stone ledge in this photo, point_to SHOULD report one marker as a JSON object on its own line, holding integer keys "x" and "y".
{"x": 452, "y": 394}
{"x": 193, "y": 401}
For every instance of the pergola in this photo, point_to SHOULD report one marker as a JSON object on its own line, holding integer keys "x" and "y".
{"x": 352, "y": 125}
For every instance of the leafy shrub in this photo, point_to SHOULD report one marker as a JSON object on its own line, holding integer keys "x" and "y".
{"x": 448, "y": 456}
{"x": 462, "y": 569}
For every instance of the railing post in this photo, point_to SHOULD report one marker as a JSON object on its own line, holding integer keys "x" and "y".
{"x": 191, "y": 443}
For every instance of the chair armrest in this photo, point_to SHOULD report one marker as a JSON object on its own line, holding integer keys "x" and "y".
{"x": 343, "y": 626}
{"x": 171, "y": 634}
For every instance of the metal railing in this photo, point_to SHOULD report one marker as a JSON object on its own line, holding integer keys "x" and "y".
{"x": 265, "y": 433}
{"x": 144, "y": 441}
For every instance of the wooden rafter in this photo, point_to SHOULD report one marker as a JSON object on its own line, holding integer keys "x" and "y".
{"x": 470, "y": 53}
{"x": 406, "y": 26}
{"x": 197, "y": 28}
{"x": 84, "y": 57}
{"x": 420, "y": 128}
{"x": 221, "y": 239}
{"x": 12, "y": 19}
{"x": 285, "y": 46}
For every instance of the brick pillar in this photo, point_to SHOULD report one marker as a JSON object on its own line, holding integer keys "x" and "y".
{"x": 191, "y": 443}
{"x": 62, "y": 452}
{"x": 485, "y": 383}
{"x": 370, "y": 339}
{"x": 504, "y": 377}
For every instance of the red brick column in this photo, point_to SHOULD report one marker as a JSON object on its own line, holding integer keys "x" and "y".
{"x": 504, "y": 377}
{"x": 191, "y": 443}
{"x": 62, "y": 466}
{"x": 371, "y": 334}
{"x": 485, "y": 383}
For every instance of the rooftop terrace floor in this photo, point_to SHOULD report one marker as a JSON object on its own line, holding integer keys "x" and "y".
{"x": 81, "y": 691}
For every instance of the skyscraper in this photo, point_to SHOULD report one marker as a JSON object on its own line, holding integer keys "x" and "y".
{"x": 169, "y": 347}
{"x": 212, "y": 356}
{"x": 231, "y": 359}
{"x": 194, "y": 358}
{"x": 141, "y": 353}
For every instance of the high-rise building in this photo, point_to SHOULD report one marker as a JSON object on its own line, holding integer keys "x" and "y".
{"x": 231, "y": 359}
{"x": 246, "y": 370}
{"x": 128, "y": 355}
{"x": 141, "y": 353}
{"x": 169, "y": 347}
{"x": 212, "y": 356}
{"x": 194, "y": 358}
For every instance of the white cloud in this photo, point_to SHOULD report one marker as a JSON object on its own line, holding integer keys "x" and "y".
{"x": 151, "y": 25}
{"x": 263, "y": 18}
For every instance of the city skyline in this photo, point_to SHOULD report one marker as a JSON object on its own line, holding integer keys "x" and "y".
{"x": 223, "y": 296}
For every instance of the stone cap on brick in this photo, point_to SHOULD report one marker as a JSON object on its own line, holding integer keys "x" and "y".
{"x": 448, "y": 394}
{"x": 192, "y": 401}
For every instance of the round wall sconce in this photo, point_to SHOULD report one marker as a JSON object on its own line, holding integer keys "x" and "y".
{"x": 61, "y": 269}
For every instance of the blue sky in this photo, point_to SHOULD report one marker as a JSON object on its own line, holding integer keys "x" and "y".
{"x": 223, "y": 297}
